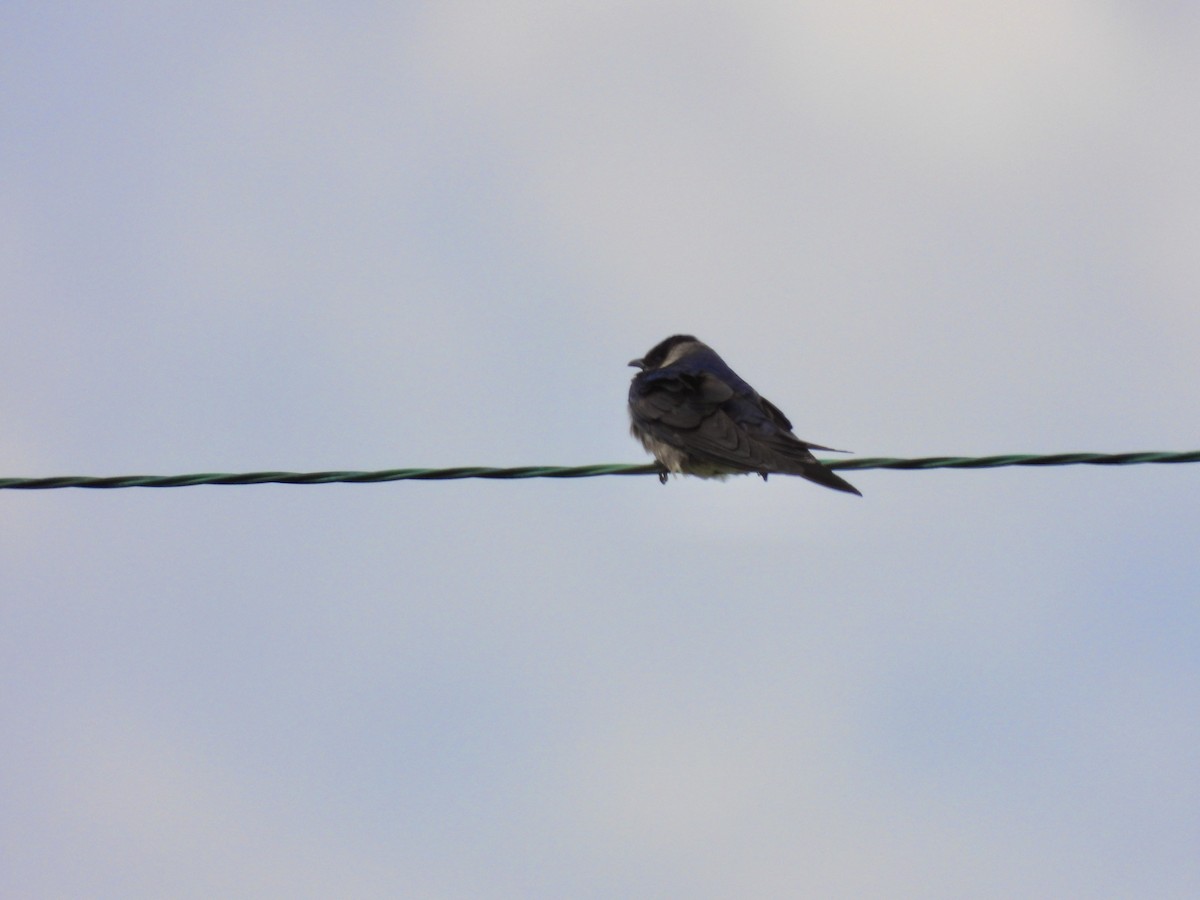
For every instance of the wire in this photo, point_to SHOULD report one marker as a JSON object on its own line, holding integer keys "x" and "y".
{"x": 872, "y": 462}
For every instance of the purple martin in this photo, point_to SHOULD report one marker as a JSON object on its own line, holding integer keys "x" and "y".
{"x": 698, "y": 417}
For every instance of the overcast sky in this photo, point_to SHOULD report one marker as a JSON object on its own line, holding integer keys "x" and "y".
{"x": 237, "y": 237}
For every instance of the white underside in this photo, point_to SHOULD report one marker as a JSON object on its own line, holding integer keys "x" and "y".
{"x": 677, "y": 461}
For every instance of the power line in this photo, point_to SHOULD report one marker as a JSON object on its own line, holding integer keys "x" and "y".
{"x": 870, "y": 462}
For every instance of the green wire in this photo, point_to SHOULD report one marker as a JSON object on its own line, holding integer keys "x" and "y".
{"x": 873, "y": 462}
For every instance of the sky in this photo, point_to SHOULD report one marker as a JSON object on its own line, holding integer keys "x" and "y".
{"x": 243, "y": 237}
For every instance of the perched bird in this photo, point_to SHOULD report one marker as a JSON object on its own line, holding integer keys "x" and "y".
{"x": 697, "y": 417}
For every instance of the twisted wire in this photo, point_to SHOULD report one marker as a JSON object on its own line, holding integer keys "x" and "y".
{"x": 352, "y": 477}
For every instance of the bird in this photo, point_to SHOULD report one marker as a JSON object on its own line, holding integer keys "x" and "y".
{"x": 698, "y": 417}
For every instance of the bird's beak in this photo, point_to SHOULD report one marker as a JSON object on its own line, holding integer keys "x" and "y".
{"x": 638, "y": 363}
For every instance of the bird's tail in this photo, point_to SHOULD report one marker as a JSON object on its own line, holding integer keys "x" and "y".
{"x": 819, "y": 447}
{"x": 816, "y": 472}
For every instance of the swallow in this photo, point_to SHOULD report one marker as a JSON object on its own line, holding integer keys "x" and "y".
{"x": 698, "y": 417}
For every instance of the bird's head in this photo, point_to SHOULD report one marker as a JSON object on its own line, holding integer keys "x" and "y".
{"x": 667, "y": 352}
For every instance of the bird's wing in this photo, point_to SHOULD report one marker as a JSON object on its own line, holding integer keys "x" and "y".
{"x": 775, "y": 414}
{"x": 704, "y": 416}
{"x": 676, "y": 400}
{"x": 689, "y": 411}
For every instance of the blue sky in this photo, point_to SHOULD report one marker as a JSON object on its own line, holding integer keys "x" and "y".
{"x": 320, "y": 236}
